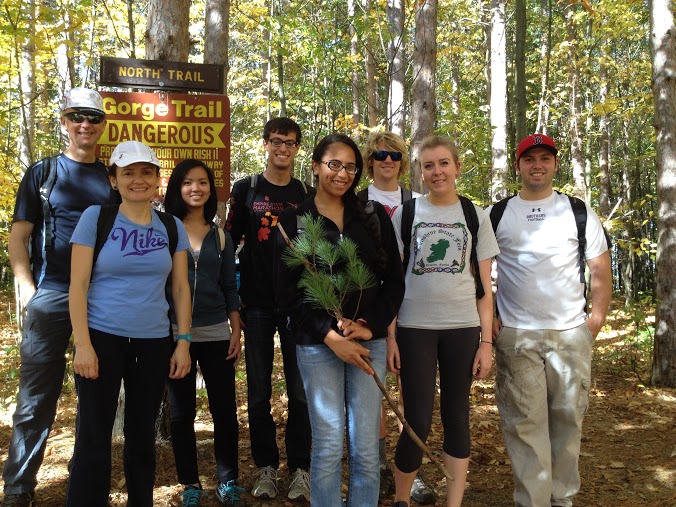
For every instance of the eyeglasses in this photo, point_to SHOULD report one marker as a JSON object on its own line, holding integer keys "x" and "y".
{"x": 381, "y": 155}
{"x": 277, "y": 142}
{"x": 336, "y": 166}
{"x": 94, "y": 119}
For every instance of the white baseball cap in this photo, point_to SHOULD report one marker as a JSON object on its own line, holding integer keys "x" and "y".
{"x": 82, "y": 100}
{"x": 130, "y": 152}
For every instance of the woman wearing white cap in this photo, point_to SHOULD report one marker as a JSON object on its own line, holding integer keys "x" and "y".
{"x": 118, "y": 309}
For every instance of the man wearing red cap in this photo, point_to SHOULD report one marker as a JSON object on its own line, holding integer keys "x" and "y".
{"x": 51, "y": 197}
{"x": 543, "y": 334}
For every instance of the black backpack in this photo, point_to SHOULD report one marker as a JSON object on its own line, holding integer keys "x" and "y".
{"x": 407, "y": 214}
{"x": 46, "y": 185}
{"x": 107, "y": 219}
{"x": 579, "y": 211}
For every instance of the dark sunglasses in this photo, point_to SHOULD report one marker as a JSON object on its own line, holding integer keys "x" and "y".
{"x": 381, "y": 155}
{"x": 94, "y": 119}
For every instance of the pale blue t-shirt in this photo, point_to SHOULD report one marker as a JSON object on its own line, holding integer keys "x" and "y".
{"x": 127, "y": 290}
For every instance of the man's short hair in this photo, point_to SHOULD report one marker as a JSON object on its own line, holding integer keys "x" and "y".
{"x": 282, "y": 126}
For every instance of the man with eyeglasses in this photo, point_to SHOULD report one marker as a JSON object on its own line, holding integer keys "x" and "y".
{"x": 51, "y": 197}
{"x": 255, "y": 203}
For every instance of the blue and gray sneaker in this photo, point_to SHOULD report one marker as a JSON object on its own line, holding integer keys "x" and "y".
{"x": 190, "y": 496}
{"x": 229, "y": 493}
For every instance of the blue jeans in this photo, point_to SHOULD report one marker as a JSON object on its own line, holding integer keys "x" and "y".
{"x": 260, "y": 326}
{"x": 338, "y": 392}
{"x": 47, "y": 331}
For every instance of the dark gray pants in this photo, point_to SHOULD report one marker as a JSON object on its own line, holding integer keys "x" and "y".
{"x": 47, "y": 331}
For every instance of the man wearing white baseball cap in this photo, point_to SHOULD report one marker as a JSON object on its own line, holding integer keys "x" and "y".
{"x": 51, "y": 197}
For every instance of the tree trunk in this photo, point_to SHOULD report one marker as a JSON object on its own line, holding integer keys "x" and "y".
{"x": 396, "y": 117}
{"x": 423, "y": 109}
{"x": 575, "y": 133}
{"x": 545, "y": 55}
{"x": 604, "y": 139}
{"x": 498, "y": 100}
{"x": 354, "y": 53}
{"x": 370, "y": 63}
{"x": 664, "y": 93}
{"x": 167, "y": 36}
{"x": 520, "y": 68}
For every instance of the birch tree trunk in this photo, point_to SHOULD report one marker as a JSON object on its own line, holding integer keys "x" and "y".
{"x": 423, "y": 99}
{"x": 664, "y": 92}
{"x": 396, "y": 117}
{"x": 520, "y": 68}
{"x": 575, "y": 133}
{"x": 498, "y": 100}
{"x": 370, "y": 63}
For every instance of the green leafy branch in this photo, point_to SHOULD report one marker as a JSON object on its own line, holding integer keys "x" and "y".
{"x": 331, "y": 271}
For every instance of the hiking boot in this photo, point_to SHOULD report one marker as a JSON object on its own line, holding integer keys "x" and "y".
{"x": 190, "y": 496}
{"x": 386, "y": 484}
{"x": 229, "y": 493}
{"x": 265, "y": 483}
{"x": 20, "y": 500}
{"x": 300, "y": 485}
{"x": 421, "y": 493}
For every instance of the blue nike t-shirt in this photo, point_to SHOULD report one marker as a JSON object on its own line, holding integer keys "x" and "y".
{"x": 127, "y": 290}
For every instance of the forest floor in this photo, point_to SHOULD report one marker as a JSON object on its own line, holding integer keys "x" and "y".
{"x": 628, "y": 454}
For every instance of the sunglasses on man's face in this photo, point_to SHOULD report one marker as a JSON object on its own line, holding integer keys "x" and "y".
{"x": 381, "y": 155}
{"x": 94, "y": 119}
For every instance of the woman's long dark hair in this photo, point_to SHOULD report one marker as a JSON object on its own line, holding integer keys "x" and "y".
{"x": 173, "y": 202}
{"x": 350, "y": 197}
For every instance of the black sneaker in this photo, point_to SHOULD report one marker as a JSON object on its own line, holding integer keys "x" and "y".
{"x": 229, "y": 493}
{"x": 190, "y": 496}
{"x": 421, "y": 493}
{"x": 20, "y": 500}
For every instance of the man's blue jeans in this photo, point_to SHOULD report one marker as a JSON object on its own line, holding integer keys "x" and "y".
{"x": 339, "y": 393}
{"x": 260, "y": 326}
{"x": 47, "y": 331}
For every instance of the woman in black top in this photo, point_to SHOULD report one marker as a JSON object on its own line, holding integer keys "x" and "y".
{"x": 337, "y": 379}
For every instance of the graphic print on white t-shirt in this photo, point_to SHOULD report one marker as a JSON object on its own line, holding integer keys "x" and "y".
{"x": 439, "y": 248}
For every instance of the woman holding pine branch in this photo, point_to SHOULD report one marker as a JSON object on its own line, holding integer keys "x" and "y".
{"x": 333, "y": 339}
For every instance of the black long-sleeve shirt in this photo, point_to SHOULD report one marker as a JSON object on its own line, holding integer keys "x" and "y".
{"x": 377, "y": 305}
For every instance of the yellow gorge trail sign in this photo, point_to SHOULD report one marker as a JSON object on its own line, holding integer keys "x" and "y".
{"x": 176, "y": 125}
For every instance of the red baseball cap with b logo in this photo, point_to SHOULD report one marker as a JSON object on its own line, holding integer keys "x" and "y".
{"x": 536, "y": 141}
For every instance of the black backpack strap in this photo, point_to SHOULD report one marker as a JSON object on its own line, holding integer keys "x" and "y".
{"x": 406, "y": 195}
{"x": 580, "y": 212}
{"x": 49, "y": 171}
{"x": 363, "y": 194}
{"x": 104, "y": 225}
{"x": 497, "y": 211}
{"x": 372, "y": 216}
{"x": 472, "y": 220}
{"x": 407, "y": 215}
{"x": 172, "y": 229}
{"x": 251, "y": 192}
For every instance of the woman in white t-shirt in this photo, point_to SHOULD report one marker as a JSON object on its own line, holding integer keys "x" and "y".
{"x": 441, "y": 320}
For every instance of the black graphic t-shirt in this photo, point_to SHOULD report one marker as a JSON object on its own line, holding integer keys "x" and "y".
{"x": 257, "y": 227}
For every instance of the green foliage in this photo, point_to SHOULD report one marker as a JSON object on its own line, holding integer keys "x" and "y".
{"x": 331, "y": 271}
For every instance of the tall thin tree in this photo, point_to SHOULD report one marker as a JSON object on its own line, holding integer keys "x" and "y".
{"x": 663, "y": 44}
{"x": 498, "y": 100}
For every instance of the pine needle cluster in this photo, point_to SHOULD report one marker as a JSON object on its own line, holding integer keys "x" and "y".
{"x": 331, "y": 271}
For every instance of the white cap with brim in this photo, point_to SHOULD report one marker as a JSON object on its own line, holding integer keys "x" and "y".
{"x": 131, "y": 152}
{"x": 82, "y": 100}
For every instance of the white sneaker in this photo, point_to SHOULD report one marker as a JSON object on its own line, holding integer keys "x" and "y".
{"x": 300, "y": 485}
{"x": 265, "y": 483}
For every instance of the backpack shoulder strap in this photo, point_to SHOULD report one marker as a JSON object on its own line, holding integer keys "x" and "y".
{"x": 406, "y": 194}
{"x": 104, "y": 225}
{"x": 49, "y": 170}
{"x": 251, "y": 192}
{"x": 497, "y": 211}
{"x": 472, "y": 220}
{"x": 580, "y": 211}
{"x": 172, "y": 229}
{"x": 372, "y": 215}
{"x": 363, "y": 194}
{"x": 407, "y": 215}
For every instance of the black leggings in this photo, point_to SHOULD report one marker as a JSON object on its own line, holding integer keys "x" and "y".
{"x": 420, "y": 350}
